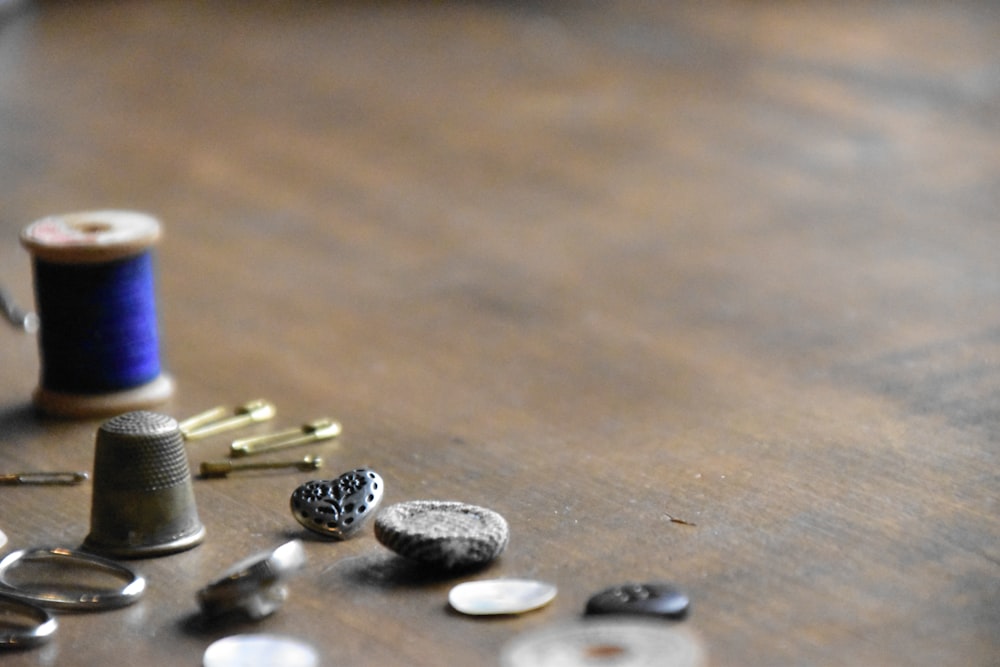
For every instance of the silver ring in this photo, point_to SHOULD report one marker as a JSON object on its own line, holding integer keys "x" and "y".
{"x": 254, "y": 586}
{"x": 82, "y": 595}
{"x": 17, "y": 635}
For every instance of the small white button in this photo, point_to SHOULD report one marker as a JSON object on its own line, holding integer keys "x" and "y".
{"x": 500, "y": 596}
{"x": 261, "y": 650}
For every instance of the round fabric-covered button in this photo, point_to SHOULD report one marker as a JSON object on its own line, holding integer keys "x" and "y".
{"x": 651, "y": 599}
{"x": 444, "y": 534}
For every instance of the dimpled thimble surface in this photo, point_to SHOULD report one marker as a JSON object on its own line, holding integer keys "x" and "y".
{"x": 143, "y": 501}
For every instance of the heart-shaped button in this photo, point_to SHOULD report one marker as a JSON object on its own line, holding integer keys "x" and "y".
{"x": 338, "y": 507}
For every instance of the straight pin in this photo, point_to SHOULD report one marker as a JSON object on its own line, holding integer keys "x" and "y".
{"x": 44, "y": 478}
{"x": 27, "y": 322}
{"x": 223, "y": 468}
{"x": 215, "y": 420}
{"x": 315, "y": 431}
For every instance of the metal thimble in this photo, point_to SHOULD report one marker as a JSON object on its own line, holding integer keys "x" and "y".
{"x": 143, "y": 500}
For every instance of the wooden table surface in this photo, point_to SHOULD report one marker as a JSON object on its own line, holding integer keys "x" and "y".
{"x": 592, "y": 265}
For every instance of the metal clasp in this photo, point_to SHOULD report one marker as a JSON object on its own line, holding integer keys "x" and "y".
{"x": 315, "y": 431}
{"x": 223, "y": 468}
{"x": 215, "y": 420}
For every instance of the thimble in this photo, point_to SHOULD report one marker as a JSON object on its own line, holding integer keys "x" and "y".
{"x": 143, "y": 500}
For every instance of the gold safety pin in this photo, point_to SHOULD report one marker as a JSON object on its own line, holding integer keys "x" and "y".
{"x": 44, "y": 478}
{"x": 223, "y": 468}
{"x": 321, "y": 429}
{"x": 215, "y": 420}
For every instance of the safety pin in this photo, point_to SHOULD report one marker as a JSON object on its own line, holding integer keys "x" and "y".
{"x": 223, "y": 468}
{"x": 321, "y": 429}
{"x": 215, "y": 420}
{"x": 44, "y": 478}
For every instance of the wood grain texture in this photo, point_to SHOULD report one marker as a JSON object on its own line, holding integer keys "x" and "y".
{"x": 590, "y": 265}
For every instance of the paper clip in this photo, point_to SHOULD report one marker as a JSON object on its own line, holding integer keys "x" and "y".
{"x": 215, "y": 420}
{"x": 44, "y": 478}
{"x": 321, "y": 429}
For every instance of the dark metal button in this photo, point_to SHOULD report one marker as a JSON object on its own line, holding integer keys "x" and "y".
{"x": 255, "y": 586}
{"x": 339, "y": 507}
{"x": 649, "y": 599}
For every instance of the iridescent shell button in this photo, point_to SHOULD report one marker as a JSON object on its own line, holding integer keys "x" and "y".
{"x": 650, "y": 599}
{"x": 494, "y": 597}
{"x": 339, "y": 507}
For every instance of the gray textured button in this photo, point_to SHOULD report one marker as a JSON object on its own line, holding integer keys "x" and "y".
{"x": 338, "y": 507}
{"x": 445, "y": 534}
{"x": 650, "y": 599}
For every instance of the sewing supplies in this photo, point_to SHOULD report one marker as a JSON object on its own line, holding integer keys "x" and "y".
{"x": 221, "y": 418}
{"x": 338, "y": 508}
{"x": 445, "y": 534}
{"x": 98, "y": 342}
{"x": 224, "y": 468}
{"x": 493, "y": 597}
{"x": 94, "y": 291}
{"x": 24, "y": 625}
{"x": 314, "y": 431}
{"x": 68, "y": 580}
{"x": 655, "y": 599}
{"x": 143, "y": 502}
{"x": 254, "y": 587}
{"x": 43, "y": 478}
{"x": 260, "y": 650}
{"x": 622, "y": 643}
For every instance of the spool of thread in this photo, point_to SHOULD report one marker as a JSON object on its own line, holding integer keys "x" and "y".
{"x": 95, "y": 296}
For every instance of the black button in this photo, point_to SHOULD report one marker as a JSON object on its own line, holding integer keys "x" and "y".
{"x": 651, "y": 599}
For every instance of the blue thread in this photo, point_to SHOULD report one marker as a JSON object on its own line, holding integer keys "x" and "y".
{"x": 99, "y": 331}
